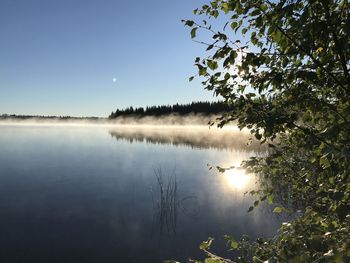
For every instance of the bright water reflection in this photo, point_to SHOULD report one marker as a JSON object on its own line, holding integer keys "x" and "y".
{"x": 237, "y": 179}
{"x": 87, "y": 194}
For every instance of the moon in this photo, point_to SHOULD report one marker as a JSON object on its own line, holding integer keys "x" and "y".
{"x": 114, "y": 80}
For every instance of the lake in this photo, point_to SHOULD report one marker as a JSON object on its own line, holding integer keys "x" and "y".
{"x": 85, "y": 193}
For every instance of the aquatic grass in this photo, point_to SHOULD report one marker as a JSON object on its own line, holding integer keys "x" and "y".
{"x": 168, "y": 203}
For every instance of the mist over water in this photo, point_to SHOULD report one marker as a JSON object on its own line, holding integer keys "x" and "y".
{"x": 188, "y": 135}
{"x": 170, "y": 119}
{"x": 91, "y": 192}
{"x": 191, "y": 130}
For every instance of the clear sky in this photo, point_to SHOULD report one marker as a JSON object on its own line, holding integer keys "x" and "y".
{"x": 59, "y": 57}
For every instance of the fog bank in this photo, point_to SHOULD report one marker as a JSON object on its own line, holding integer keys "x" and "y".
{"x": 194, "y": 136}
{"x": 171, "y": 119}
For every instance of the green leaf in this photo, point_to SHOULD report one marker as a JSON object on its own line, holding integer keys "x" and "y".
{"x": 220, "y": 169}
{"x": 276, "y": 35}
{"x": 278, "y": 209}
{"x": 212, "y": 260}
{"x": 234, "y": 245}
{"x": 189, "y": 23}
{"x": 258, "y": 136}
{"x": 205, "y": 245}
{"x": 212, "y": 64}
{"x": 210, "y": 47}
{"x": 193, "y": 32}
{"x": 324, "y": 162}
{"x": 270, "y": 199}
{"x": 203, "y": 71}
{"x": 230, "y": 240}
{"x": 263, "y": 7}
{"x": 225, "y": 8}
{"x": 234, "y": 25}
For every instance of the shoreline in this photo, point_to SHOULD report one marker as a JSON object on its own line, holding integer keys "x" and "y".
{"x": 194, "y": 120}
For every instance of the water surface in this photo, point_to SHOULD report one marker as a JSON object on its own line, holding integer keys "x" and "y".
{"x": 122, "y": 194}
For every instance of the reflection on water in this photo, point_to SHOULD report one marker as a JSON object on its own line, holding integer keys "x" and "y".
{"x": 76, "y": 194}
{"x": 193, "y": 136}
{"x": 168, "y": 204}
{"x": 237, "y": 179}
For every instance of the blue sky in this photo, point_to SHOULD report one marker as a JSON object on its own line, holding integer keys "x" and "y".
{"x": 60, "y": 57}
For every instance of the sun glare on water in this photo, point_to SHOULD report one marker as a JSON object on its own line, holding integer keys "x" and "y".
{"x": 237, "y": 179}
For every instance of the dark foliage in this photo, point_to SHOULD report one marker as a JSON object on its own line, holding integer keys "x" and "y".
{"x": 284, "y": 66}
{"x": 181, "y": 109}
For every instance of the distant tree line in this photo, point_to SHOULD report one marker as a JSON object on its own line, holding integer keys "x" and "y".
{"x": 181, "y": 109}
{"x": 26, "y": 117}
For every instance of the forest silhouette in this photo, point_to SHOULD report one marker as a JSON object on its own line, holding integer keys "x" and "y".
{"x": 204, "y": 107}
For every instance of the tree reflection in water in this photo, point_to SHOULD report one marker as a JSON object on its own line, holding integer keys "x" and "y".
{"x": 195, "y": 136}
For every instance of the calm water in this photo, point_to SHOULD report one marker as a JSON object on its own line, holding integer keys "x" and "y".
{"x": 102, "y": 194}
